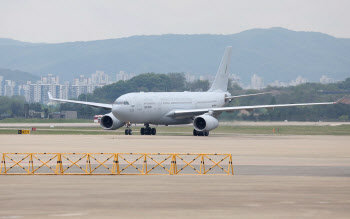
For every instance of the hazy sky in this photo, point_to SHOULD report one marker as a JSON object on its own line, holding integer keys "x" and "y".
{"x": 82, "y": 20}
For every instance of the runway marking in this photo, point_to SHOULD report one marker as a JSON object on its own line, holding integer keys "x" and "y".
{"x": 323, "y": 202}
{"x": 287, "y": 202}
{"x": 67, "y": 215}
{"x": 11, "y": 216}
{"x": 252, "y": 205}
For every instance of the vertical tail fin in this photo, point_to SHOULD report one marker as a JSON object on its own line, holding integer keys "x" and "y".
{"x": 221, "y": 78}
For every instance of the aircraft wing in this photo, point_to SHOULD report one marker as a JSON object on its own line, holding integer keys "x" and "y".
{"x": 99, "y": 105}
{"x": 196, "y": 112}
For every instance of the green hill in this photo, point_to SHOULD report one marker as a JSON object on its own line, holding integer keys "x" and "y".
{"x": 274, "y": 54}
{"x": 18, "y": 76}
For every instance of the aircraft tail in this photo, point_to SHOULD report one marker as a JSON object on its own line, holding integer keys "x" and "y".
{"x": 221, "y": 78}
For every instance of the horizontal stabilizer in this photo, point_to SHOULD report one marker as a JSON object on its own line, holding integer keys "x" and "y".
{"x": 246, "y": 95}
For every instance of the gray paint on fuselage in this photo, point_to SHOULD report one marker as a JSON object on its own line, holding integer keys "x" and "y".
{"x": 152, "y": 107}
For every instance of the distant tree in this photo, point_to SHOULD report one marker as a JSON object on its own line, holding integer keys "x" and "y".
{"x": 12, "y": 105}
{"x": 36, "y": 107}
{"x": 198, "y": 85}
{"x": 177, "y": 82}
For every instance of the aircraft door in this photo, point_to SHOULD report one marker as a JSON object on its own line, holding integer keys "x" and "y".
{"x": 138, "y": 104}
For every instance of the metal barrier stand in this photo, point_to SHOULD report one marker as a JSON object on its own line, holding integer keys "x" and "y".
{"x": 116, "y": 164}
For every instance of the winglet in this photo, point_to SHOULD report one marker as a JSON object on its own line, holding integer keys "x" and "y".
{"x": 50, "y": 96}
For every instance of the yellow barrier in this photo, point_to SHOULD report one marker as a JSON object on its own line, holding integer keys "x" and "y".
{"x": 115, "y": 164}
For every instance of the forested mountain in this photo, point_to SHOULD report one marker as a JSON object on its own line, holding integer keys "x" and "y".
{"x": 18, "y": 76}
{"x": 274, "y": 54}
{"x": 11, "y": 42}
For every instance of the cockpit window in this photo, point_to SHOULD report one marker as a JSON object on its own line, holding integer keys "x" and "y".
{"x": 121, "y": 102}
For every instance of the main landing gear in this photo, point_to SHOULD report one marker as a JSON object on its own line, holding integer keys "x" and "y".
{"x": 197, "y": 133}
{"x": 148, "y": 130}
{"x": 128, "y": 130}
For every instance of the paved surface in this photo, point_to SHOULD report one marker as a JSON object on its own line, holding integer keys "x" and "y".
{"x": 276, "y": 177}
{"x": 235, "y": 123}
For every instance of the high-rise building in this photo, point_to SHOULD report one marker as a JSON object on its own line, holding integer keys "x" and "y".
{"x": 10, "y": 88}
{"x": 257, "y": 82}
{"x": 123, "y": 76}
{"x": 2, "y": 84}
{"x": 326, "y": 80}
{"x": 299, "y": 80}
{"x": 65, "y": 90}
{"x": 39, "y": 92}
{"x": 82, "y": 80}
{"x": 24, "y": 90}
{"x": 278, "y": 83}
{"x": 235, "y": 79}
{"x": 100, "y": 78}
{"x": 50, "y": 79}
{"x": 190, "y": 77}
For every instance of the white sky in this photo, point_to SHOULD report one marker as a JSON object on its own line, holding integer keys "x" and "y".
{"x": 83, "y": 20}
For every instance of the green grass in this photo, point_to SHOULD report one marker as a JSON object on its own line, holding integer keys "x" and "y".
{"x": 20, "y": 120}
{"x": 283, "y": 130}
{"x": 187, "y": 130}
{"x": 286, "y": 130}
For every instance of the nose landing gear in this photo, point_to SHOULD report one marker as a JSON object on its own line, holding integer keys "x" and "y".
{"x": 128, "y": 130}
{"x": 148, "y": 130}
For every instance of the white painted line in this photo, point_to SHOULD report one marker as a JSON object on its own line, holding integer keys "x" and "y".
{"x": 287, "y": 202}
{"x": 11, "y": 216}
{"x": 68, "y": 215}
{"x": 252, "y": 205}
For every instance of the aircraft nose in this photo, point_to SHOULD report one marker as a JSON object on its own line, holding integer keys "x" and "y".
{"x": 116, "y": 110}
{"x": 116, "y": 107}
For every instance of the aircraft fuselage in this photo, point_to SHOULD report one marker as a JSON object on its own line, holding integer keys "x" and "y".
{"x": 153, "y": 107}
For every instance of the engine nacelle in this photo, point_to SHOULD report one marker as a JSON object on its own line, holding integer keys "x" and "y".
{"x": 205, "y": 123}
{"x": 109, "y": 122}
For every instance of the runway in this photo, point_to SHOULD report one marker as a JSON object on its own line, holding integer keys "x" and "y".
{"x": 275, "y": 176}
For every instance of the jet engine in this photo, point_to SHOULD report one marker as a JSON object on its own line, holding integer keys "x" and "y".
{"x": 205, "y": 123}
{"x": 109, "y": 122}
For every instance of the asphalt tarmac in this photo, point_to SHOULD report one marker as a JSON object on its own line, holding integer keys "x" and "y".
{"x": 275, "y": 177}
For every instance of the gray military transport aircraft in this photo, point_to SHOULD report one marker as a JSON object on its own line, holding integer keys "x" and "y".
{"x": 174, "y": 108}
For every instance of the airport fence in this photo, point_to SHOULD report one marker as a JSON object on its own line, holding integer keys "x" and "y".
{"x": 115, "y": 164}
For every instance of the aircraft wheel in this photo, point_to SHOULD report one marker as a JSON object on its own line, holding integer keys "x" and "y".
{"x": 148, "y": 131}
{"x": 195, "y": 132}
{"x": 153, "y": 131}
{"x": 206, "y": 133}
{"x": 126, "y": 131}
{"x": 130, "y": 132}
{"x": 142, "y": 131}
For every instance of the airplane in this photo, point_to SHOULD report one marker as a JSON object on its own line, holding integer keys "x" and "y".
{"x": 176, "y": 108}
